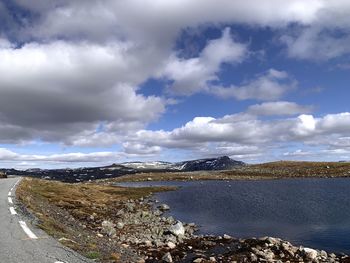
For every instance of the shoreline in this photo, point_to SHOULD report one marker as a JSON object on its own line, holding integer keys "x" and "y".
{"x": 267, "y": 171}
{"x": 133, "y": 230}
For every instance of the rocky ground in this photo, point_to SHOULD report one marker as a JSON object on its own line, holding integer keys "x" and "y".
{"x": 135, "y": 229}
{"x": 163, "y": 239}
{"x": 273, "y": 170}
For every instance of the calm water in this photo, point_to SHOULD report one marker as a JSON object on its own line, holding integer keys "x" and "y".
{"x": 309, "y": 212}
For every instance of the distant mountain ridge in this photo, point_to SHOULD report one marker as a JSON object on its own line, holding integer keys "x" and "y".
{"x": 116, "y": 170}
{"x": 208, "y": 164}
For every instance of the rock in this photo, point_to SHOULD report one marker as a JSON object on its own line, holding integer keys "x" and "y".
{"x": 198, "y": 260}
{"x": 167, "y": 258}
{"x": 63, "y": 239}
{"x": 108, "y": 228}
{"x": 269, "y": 255}
{"x": 93, "y": 216}
{"x": 170, "y": 220}
{"x": 148, "y": 243}
{"x": 120, "y": 225}
{"x": 99, "y": 235}
{"x": 157, "y": 212}
{"x": 310, "y": 254}
{"x": 164, "y": 207}
{"x": 120, "y": 212}
{"x": 158, "y": 243}
{"x": 177, "y": 229}
{"x": 227, "y": 237}
{"x": 253, "y": 257}
{"x": 145, "y": 214}
{"x": 323, "y": 254}
{"x": 171, "y": 245}
{"x": 208, "y": 243}
{"x": 212, "y": 259}
{"x": 130, "y": 207}
{"x": 272, "y": 240}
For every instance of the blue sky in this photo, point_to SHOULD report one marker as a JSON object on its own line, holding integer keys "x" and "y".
{"x": 92, "y": 83}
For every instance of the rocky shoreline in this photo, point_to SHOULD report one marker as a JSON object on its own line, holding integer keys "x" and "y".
{"x": 119, "y": 224}
{"x": 163, "y": 239}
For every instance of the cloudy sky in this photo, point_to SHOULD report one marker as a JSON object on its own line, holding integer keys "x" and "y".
{"x": 94, "y": 82}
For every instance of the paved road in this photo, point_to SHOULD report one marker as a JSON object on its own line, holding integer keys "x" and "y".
{"x": 20, "y": 242}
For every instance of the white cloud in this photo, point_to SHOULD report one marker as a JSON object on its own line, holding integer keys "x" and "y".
{"x": 74, "y": 77}
{"x": 194, "y": 74}
{"x": 62, "y": 90}
{"x": 323, "y": 38}
{"x": 244, "y": 131}
{"x": 270, "y": 86}
{"x": 279, "y": 108}
{"x": 7, "y": 155}
{"x": 140, "y": 149}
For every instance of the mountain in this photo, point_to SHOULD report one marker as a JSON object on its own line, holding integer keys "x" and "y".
{"x": 157, "y": 165}
{"x": 116, "y": 170}
{"x": 211, "y": 164}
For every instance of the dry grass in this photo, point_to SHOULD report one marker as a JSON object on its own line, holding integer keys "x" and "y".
{"x": 273, "y": 170}
{"x": 2, "y": 175}
{"x": 64, "y": 210}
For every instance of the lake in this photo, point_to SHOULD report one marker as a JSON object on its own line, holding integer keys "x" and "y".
{"x": 310, "y": 212}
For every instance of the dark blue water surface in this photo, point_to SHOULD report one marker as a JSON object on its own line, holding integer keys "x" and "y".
{"x": 308, "y": 212}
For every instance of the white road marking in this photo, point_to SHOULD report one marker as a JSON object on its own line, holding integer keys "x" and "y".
{"x": 13, "y": 211}
{"x": 10, "y": 193}
{"x": 26, "y": 229}
{"x": 10, "y": 200}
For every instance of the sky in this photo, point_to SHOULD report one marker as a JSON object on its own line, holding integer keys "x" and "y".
{"x": 90, "y": 83}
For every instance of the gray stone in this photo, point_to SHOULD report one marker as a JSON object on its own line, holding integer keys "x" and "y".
{"x": 163, "y": 207}
{"x": 167, "y": 258}
{"x": 120, "y": 225}
{"x": 171, "y": 245}
{"x": 310, "y": 254}
{"x": 108, "y": 228}
{"x": 177, "y": 229}
{"x": 227, "y": 237}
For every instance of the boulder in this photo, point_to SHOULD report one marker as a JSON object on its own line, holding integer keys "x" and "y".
{"x": 164, "y": 207}
{"x": 227, "y": 237}
{"x": 310, "y": 254}
{"x": 108, "y": 228}
{"x": 171, "y": 245}
{"x": 177, "y": 229}
{"x": 167, "y": 258}
{"x": 120, "y": 225}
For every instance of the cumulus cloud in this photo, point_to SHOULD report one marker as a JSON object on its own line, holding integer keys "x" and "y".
{"x": 159, "y": 22}
{"x": 246, "y": 132}
{"x": 61, "y": 89}
{"x": 269, "y": 86}
{"x": 279, "y": 108}
{"x": 71, "y": 72}
{"x": 8, "y": 155}
{"x": 323, "y": 38}
{"x": 194, "y": 74}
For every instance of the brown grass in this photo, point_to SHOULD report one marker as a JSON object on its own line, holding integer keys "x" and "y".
{"x": 273, "y": 170}
{"x": 64, "y": 210}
